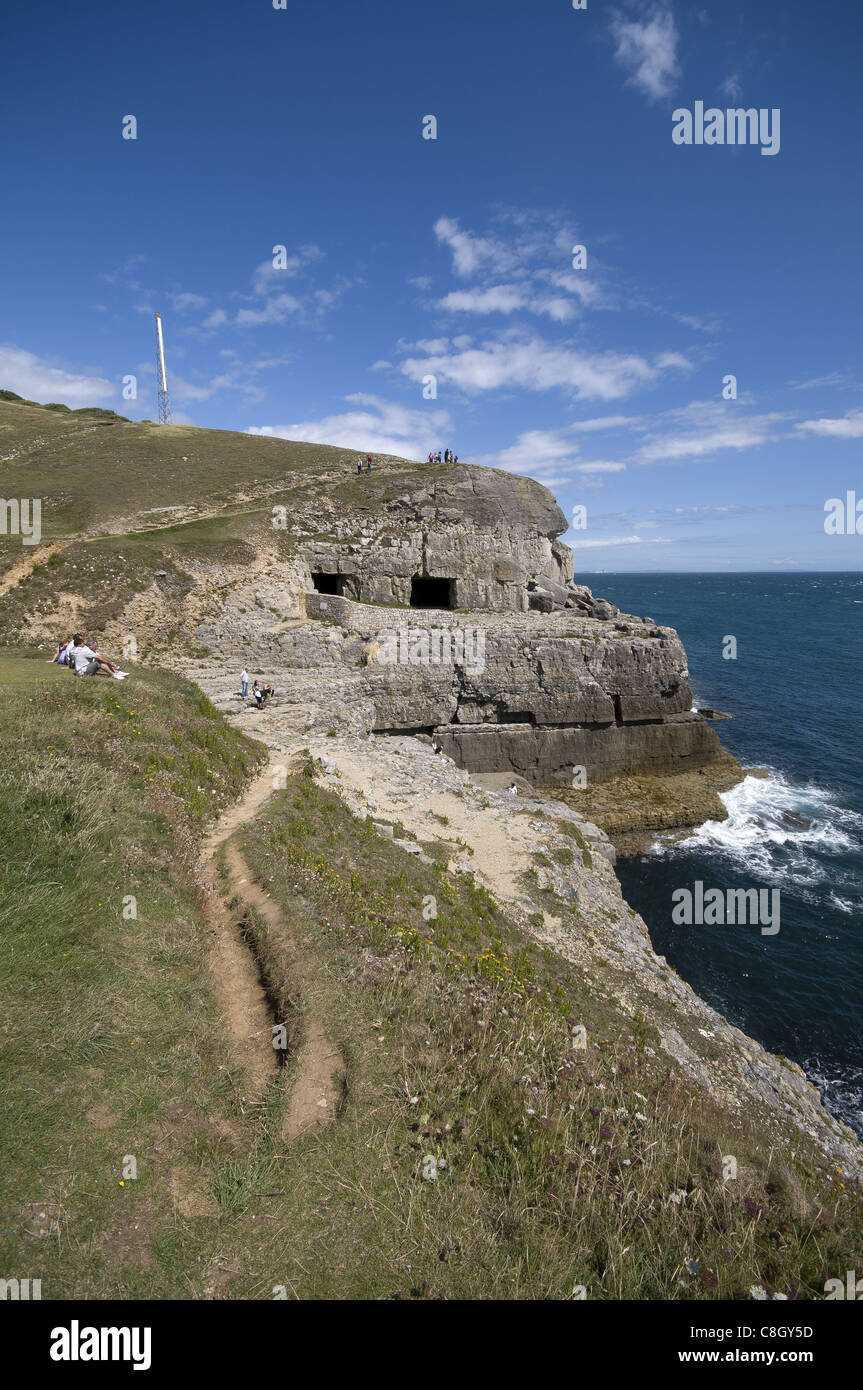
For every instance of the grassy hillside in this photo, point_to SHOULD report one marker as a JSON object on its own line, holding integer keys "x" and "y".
{"x": 98, "y": 472}
{"x": 111, "y": 1043}
{"x": 553, "y": 1166}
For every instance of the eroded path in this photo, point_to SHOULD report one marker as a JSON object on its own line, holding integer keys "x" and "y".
{"x": 319, "y": 1069}
{"x": 30, "y": 560}
{"x": 239, "y": 989}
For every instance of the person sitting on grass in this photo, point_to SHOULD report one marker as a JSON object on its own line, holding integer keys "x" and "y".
{"x": 88, "y": 662}
{"x": 61, "y": 656}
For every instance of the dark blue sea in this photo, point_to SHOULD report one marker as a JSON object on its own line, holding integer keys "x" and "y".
{"x": 796, "y": 691}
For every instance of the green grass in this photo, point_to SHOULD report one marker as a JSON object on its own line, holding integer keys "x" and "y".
{"x": 556, "y": 1165}
{"x": 95, "y": 469}
{"x": 561, "y": 1164}
{"x": 112, "y": 1045}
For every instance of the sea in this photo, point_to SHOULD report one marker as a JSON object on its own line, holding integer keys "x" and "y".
{"x": 793, "y": 680}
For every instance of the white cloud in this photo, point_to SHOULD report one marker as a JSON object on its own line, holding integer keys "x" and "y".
{"x": 505, "y": 299}
{"x": 237, "y": 375}
{"x": 268, "y": 278}
{"x": 733, "y": 87}
{"x": 536, "y": 453}
{"x": 537, "y": 365}
{"x": 595, "y": 543}
{"x": 833, "y": 379}
{"x": 186, "y": 300}
{"x": 706, "y": 427}
{"x": 605, "y": 422}
{"x": 276, "y": 310}
{"x": 376, "y": 426}
{"x": 37, "y": 379}
{"x": 269, "y": 301}
{"x": 647, "y": 49}
{"x": 848, "y": 426}
{"x": 497, "y": 299}
{"x": 525, "y": 265}
{"x": 550, "y": 456}
{"x": 470, "y": 252}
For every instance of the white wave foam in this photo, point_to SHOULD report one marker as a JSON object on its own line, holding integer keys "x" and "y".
{"x": 773, "y": 828}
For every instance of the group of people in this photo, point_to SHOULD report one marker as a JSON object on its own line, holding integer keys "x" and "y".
{"x": 446, "y": 457}
{"x": 259, "y": 693}
{"x": 83, "y": 659}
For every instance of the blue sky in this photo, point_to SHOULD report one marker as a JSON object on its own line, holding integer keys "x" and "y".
{"x": 452, "y": 257}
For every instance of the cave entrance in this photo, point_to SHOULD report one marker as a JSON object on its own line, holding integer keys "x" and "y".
{"x": 432, "y": 593}
{"x": 328, "y": 583}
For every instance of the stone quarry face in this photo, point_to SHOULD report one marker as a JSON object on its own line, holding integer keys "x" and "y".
{"x": 481, "y": 539}
{"x": 452, "y": 611}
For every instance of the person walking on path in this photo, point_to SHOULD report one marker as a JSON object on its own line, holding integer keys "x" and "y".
{"x": 369, "y": 464}
{"x": 244, "y": 682}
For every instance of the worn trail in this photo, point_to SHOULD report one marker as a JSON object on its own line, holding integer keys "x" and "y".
{"x": 319, "y": 1070}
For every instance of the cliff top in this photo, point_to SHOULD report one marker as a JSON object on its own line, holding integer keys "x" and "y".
{"x": 98, "y": 472}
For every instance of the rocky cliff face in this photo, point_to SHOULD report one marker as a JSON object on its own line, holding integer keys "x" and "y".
{"x": 450, "y": 608}
{"x": 417, "y": 602}
{"x": 409, "y": 600}
{"x": 488, "y": 539}
{"x": 534, "y": 695}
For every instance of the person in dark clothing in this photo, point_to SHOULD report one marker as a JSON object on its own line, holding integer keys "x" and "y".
{"x": 369, "y": 464}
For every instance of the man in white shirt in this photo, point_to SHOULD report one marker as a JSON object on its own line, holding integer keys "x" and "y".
{"x": 88, "y": 662}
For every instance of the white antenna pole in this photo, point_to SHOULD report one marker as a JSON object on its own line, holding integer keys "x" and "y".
{"x": 162, "y": 379}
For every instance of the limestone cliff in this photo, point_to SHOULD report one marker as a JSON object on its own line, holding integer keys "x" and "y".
{"x": 406, "y": 604}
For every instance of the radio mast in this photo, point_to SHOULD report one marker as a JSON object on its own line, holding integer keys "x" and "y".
{"x": 164, "y": 405}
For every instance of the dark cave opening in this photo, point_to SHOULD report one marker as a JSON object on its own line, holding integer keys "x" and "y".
{"x": 431, "y": 593}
